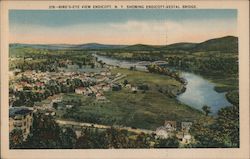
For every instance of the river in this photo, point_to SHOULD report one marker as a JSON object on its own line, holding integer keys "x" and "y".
{"x": 199, "y": 91}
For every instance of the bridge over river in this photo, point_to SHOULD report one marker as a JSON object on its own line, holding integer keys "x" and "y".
{"x": 146, "y": 63}
{"x": 199, "y": 91}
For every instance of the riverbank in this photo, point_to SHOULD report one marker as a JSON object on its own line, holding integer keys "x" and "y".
{"x": 225, "y": 81}
{"x": 225, "y": 84}
{"x": 201, "y": 92}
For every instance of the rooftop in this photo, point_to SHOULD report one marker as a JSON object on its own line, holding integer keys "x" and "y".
{"x": 19, "y": 111}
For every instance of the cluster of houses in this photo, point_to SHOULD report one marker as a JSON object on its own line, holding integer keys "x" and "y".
{"x": 46, "y": 106}
{"x": 100, "y": 81}
{"x": 96, "y": 90}
{"x": 171, "y": 129}
{"x": 42, "y": 78}
{"x": 21, "y": 117}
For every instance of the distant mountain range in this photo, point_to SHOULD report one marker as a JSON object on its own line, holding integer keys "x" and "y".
{"x": 68, "y": 46}
{"x": 224, "y": 44}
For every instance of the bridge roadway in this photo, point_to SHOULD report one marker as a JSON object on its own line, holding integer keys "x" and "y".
{"x": 146, "y": 63}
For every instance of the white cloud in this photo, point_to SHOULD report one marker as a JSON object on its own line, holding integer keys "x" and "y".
{"x": 130, "y": 32}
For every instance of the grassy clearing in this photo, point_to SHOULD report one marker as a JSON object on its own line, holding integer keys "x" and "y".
{"x": 154, "y": 80}
{"x": 224, "y": 84}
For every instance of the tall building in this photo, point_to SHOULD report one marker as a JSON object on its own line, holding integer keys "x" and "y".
{"x": 21, "y": 118}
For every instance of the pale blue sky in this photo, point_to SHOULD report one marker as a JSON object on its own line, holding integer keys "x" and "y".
{"x": 57, "y": 18}
{"x": 124, "y": 26}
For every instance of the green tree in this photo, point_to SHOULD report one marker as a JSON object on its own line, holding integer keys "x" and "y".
{"x": 228, "y": 124}
{"x": 167, "y": 143}
{"x": 68, "y": 137}
{"x": 16, "y": 138}
{"x": 84, "y": 141}
{"x": 206, "y": 109}
{"x": 222, "y": 131}
{"x": 206, "y": 135}
{"x": 45, "y": 133}
{"x": 55, "y": 105}
{"x": 141, "y": 141}
{"x": 125, "y": 82}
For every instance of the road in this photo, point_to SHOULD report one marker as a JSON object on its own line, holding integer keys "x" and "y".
{"x": 118, "y": 78}
{"x": 81, "y": 124}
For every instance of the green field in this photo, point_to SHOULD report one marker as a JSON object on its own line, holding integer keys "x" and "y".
{"x": 224, "y": 83}
{"x": 146, "y": 110}
{"x": 149, "y": 78}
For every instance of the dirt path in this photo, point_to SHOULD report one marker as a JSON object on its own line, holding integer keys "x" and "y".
{"x": 81, "y": 124}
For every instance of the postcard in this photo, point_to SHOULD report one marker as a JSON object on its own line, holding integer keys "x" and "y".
{"x": 125, "y": 79}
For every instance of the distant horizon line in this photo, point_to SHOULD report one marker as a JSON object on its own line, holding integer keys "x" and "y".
{"x": 121, "y": 44}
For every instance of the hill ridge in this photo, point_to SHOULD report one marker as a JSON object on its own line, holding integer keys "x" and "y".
{"x": 224, "y": 44}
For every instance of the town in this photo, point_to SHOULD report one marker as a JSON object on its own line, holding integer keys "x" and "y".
{"x": 87, "y": 84}
{"x": 119, "y": 98}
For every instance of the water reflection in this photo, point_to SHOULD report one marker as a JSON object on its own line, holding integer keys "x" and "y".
{"x": 201, "y": 92}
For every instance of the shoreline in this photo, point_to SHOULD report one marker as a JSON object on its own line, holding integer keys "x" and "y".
{"x": 175, "y": 94}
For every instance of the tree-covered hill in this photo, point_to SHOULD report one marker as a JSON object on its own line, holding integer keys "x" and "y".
{"x": 227, "y": 44}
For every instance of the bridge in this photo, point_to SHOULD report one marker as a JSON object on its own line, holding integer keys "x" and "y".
{"x": 160, "y": 62}
{"x": 143, "y": 63}
{"x": 146, "y": 63}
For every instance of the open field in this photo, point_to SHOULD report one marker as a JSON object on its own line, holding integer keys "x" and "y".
{"x": 223, "y": 84}
{"x": 154, "y": 80}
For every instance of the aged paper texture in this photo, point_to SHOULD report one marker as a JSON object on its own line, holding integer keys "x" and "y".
{"x": 125, "y": 79}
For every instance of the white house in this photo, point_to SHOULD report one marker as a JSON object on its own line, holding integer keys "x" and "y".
{"x": 69, "y": 106}
{"x": 185, "y": 126}
{"x": 134, "y": 89}
{"x": 170, "y": 125}
{"x": 186, "y": 138}
{"x": 106, "y": 88}
{"x": 79, "y": 90}
{"x": 128, "y": 86}
{"x": 162, "y": 132}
